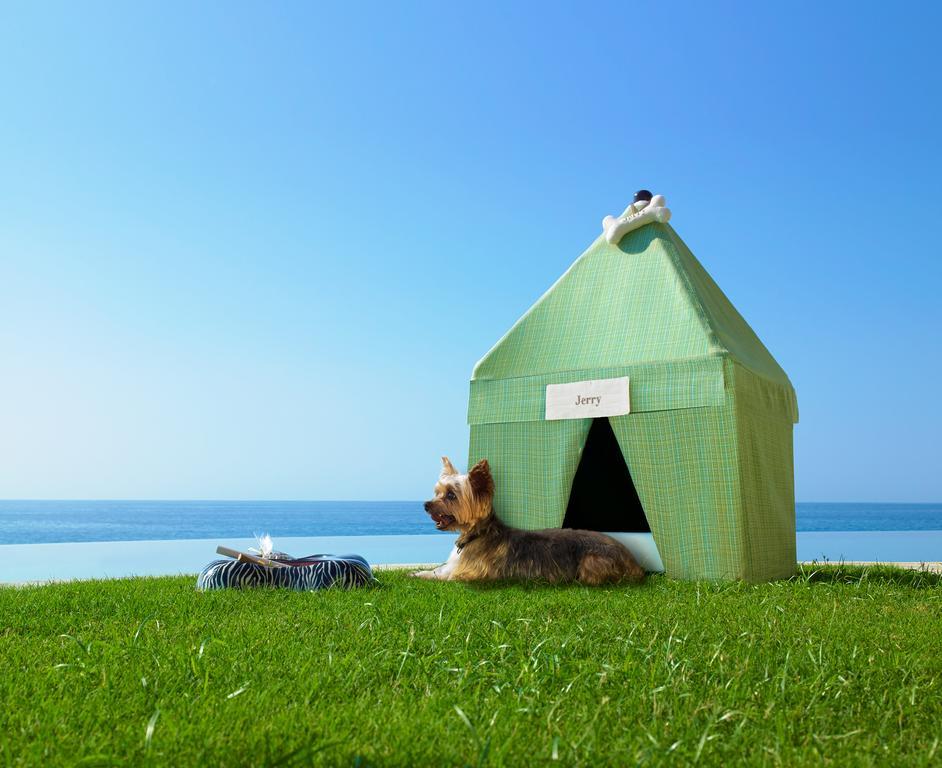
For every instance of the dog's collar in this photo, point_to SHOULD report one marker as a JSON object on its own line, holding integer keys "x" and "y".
{"x": 483, "y": 526}
{"x": 465, "y": 538}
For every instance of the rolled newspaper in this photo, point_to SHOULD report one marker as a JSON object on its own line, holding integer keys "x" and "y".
{"x": 245, "y": 557}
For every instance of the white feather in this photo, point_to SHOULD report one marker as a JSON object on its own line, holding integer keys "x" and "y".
{"x": 265, "y": 545}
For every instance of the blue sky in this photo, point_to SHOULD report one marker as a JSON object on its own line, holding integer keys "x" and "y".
{"x": 254, "y": 250}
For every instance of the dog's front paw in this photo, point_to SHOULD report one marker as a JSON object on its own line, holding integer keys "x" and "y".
{"x": 422, "y": 574}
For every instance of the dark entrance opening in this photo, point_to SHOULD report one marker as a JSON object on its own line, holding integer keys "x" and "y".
{"x": 603, "y": 496}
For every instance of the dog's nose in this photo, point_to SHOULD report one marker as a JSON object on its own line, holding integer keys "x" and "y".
{"x": 427, "y": 504}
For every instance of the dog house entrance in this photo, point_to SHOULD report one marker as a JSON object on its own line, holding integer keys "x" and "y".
{"x": 603, "y": 496}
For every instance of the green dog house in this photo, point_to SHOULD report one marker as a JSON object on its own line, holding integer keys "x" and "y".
{"x": 633, "y": 397}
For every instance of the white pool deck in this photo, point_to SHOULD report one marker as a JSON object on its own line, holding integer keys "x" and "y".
{"x": 38, "y": 563}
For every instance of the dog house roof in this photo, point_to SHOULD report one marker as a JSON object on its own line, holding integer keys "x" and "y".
{"x": 643, "y": 306}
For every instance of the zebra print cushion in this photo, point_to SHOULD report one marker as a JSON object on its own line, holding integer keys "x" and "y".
{"x": 312, "y": 572}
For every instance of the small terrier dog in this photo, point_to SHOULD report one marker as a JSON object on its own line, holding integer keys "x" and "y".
{"x": 489, "y": 550}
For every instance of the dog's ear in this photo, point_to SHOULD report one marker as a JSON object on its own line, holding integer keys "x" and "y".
{"x": 447, "y": 467}
{"x": 482, "y": 484}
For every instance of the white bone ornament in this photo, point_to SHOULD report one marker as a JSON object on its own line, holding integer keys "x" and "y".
{"x": 636, "y": 215}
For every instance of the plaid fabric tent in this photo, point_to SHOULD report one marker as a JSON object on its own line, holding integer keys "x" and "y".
{"x": 708, "y": 440}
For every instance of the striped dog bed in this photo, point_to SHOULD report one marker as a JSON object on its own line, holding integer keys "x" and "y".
{"x": 303, "y": 573}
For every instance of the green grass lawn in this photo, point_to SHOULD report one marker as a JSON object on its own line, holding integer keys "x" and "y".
{"x": 841, "y": 666}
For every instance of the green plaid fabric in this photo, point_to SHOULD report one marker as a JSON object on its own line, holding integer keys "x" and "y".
{"x": 654, "y": 387}
{"x": 709, "y": 437}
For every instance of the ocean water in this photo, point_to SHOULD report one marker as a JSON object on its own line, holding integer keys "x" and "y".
{"x": 37, "y": 522}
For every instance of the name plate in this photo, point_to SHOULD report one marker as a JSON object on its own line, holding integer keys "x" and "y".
{"x": 587, "y": 399}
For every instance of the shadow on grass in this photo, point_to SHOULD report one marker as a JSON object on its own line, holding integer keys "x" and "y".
{"x": 839, "y": 573}
{"x": 539, "y": 585}
{"x": 808, "y": 573}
